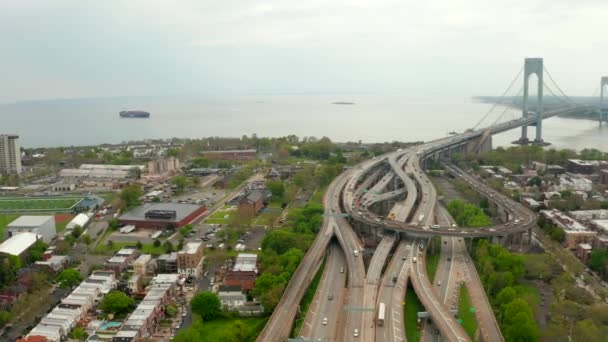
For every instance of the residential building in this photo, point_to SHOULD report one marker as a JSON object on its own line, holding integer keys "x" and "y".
{"x": 53, "y": 265}
{"x": 246, "y": 262}
{"x": 244, "y": 279}
{"x": 167, "y": 263}
{"x": 599, "y": 214}
{"x": 58, "y": 323}
{"x": 121, "y": 260}
{"x": 39, "y": 225}
{"x": 555, "y": 169}
{"x": 232, "y": 297}
{"x": 136, "y": 284}
{"x": 572, "y": 182}
{"x": 583, "y": 251}
{"x": 144, "y": 265}
{"x": 190, "y": 260}
{"x": 579, "y": 166}
{"x": 504, "y": 171}
{"x": 252, "y": 203}
{"x": 531, "y": 203}
{"x": 576, "y": 233}
{"x": 603, "y": 176}
{"x": 144, "y": 320}
{"x": 10, "y": 155}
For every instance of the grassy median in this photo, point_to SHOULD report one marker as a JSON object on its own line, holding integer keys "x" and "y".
{"x": 410, "y": 310}
{"x": 466, "y": 313}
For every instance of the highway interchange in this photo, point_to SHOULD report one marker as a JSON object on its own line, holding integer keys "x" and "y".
{"x": 404, "y": 229}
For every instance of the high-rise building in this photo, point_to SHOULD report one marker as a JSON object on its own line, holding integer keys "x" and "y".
{"x": 10, "y": 154}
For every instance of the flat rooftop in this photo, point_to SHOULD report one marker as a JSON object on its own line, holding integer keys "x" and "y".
{"x": 30, "y": 221}
{"x": 181, "y": 211}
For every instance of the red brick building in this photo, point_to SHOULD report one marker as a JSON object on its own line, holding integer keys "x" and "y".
{"x": 252, "y": 203}
{"x": 162, "y": 215}
{"x": 244, "y": 279}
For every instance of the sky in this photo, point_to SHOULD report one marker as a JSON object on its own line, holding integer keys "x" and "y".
{"x": 73, "y": 49}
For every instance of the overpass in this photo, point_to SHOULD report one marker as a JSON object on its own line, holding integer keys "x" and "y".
{"x": 350, "y": 193}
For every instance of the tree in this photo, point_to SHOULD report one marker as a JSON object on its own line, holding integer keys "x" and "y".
{"x": 172, "y": 152}
{"x": 110, "y": 243}
{"x": 168, "y": 246}
{"x": 116, "y": 302}
{"x": 77, "y": 231}
{"x": 139, "y": 245}
{"x": 199, "y": 162}
{"x": 113, "y": 224}
{"x": 156, "y": 243}
{"x": 87, "y": 239}
{"x": 207, "y": 305}
{"x": 171, "y": 310}
{"x": 69, "y": 278}
{"x": 131, "y": 195}
{"x": 192, "y": 334}
{"x": 79, "y": 333}
{"x": 180, "y": 182}
{"x": 277, "y": 188}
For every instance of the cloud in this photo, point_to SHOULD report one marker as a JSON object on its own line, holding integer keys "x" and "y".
{"x": 466, "y": 47}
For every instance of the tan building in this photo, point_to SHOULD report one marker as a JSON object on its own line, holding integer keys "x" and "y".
{"x": 144, "y": 265}
{"x": 10, "y": 155}
{"x": 190, "y": 260}
{"x": 163, "y": 166}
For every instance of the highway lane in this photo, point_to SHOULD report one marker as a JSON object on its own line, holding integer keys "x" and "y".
{"x": 281, "y": 321}
{"x": 328, "y": 300}
{"x": 356, "y": 280}
{"x": 371, "y": 285}
{"x": 442, "y": 319}
{"x": 392, "y": 294}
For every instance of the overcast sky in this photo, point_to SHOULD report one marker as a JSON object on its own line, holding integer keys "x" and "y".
{"x": 67, "y": 49}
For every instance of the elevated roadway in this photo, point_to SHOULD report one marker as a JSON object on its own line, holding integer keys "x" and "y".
{"x": 327, "y": 304}
{"x": 280, "y": 323}
{"x": 392, "y": 294}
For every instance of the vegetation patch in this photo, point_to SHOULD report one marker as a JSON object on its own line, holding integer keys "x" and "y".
{"x": 5, "y": 219}
{"x": 468, "y": 215}
{"x": 411, "y": 309}
{"x": 466, "y": 313}
{"x": 307, "y": 299}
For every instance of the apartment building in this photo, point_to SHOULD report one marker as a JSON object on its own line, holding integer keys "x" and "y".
{"x": 190, "y": 260}
{"x": 10, "y": 155}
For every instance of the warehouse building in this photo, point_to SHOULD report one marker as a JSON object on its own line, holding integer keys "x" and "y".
{"x": 162, "y": 215}
{"x": 39, "y": 225}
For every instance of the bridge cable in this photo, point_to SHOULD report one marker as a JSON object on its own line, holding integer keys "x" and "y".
{"x": 557, "y": 86}
{"x": 559, "y": 98}
{"x": 507, "y": 107}
{"x": 501, "y": 98}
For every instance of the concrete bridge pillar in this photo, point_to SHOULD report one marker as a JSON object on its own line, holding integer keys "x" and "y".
{"x": 533, "y": 66}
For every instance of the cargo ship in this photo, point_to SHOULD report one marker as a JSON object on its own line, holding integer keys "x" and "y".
{"x": 134, "y": 114}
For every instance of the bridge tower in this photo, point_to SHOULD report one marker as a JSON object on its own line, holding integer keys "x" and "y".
{"x": 603, "y": 107}
{"x": 533, "y": 66}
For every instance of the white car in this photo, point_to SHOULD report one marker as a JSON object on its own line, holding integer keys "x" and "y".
{"x": 324, "y": 320}
{"x": 356, "y": 333}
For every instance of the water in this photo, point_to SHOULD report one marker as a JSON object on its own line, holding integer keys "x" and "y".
{"x": 373, "y": 118}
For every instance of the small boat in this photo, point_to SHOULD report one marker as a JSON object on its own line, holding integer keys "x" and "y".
{"x": 134, "y": 114}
